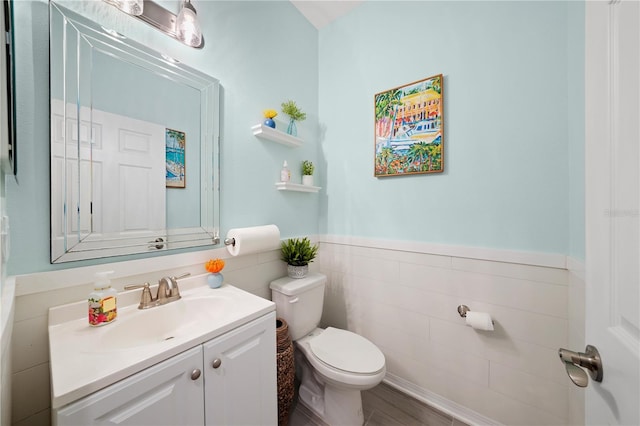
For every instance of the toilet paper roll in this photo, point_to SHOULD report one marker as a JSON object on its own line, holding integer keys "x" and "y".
{"x": 479, "y": 320}
{"x": 253, "y": 239}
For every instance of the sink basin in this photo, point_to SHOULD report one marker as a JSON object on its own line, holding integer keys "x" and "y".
{"x": 162, "y": 323}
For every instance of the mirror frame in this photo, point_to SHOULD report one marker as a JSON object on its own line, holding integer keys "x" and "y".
{"x": 74, "y": 245}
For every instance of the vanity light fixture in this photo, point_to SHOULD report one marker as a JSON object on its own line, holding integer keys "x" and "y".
{"x": 132, "y": 7}
{"x": 184, "y": 27}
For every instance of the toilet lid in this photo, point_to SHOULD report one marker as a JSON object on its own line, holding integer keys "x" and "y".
{"x": 347, "y": 351}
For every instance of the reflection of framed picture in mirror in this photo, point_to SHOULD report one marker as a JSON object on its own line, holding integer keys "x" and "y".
{"x": 176, "y": 172}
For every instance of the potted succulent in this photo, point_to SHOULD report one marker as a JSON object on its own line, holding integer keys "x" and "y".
{"x": 307, "y": 172}
{"x": 298, "y": 253}
{"x": 295, "y": 114}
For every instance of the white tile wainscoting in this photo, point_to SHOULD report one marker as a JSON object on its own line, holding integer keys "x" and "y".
{"x": 576, "y": 333}
{"x": 402, "y": 296}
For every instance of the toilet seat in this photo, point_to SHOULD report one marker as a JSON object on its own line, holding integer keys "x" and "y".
{"x": 347, "y": 351}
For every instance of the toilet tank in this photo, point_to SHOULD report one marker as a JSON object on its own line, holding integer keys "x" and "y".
{"x": 299, "y": 302}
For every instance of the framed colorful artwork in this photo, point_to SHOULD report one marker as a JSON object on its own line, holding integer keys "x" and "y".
{"x": 409, "y": 129}
{"x": 175, "y": 144}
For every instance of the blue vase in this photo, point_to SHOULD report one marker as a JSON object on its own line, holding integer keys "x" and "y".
{"x": 292, "y": 129}
{"x": 270, "y": 123}
{"x": 215, "y": 280}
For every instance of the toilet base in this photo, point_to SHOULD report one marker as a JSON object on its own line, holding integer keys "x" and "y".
{"x": 335, "y": 406}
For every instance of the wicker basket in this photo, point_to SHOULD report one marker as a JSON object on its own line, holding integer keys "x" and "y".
{"x": 286, "y": 371}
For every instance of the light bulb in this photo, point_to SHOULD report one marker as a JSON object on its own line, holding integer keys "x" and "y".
{"x": 187, "y": 27}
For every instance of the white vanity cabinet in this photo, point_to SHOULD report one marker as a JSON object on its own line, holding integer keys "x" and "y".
{"x": 229, "y": 380}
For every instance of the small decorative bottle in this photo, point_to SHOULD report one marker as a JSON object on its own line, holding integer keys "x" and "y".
{"x": 102, "y": 301}
{"x": 285, "y": 173}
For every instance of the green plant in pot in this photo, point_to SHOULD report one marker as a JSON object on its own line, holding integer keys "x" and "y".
{"x": 298, "y": 253}
{"x": 295, "y": 114}
{"x": 307, "y": 172}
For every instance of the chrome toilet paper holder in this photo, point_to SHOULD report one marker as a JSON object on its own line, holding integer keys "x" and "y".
{"x": 463, "y": 309}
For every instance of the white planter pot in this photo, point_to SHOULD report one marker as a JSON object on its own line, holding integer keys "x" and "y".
{"x": 307, "y": 180}
{"x": 297, "y": 271}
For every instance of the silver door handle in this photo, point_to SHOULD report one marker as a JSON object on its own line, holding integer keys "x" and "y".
{"x": 589, "y": 359}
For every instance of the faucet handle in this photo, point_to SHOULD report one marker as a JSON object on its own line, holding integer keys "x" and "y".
{"x": 185, "y": 275}
{"x": 175, "y": 291}
{"x": 146, "y": 299}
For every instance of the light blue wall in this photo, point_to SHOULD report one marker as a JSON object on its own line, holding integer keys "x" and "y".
{"x": 576, "y": 114}
{"x": 512, "y": 103}
{"x": 262, "y": 52}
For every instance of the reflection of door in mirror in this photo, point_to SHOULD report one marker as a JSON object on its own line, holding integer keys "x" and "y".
{"x": 135, "y": 161}
{"x": 125, "y": 196}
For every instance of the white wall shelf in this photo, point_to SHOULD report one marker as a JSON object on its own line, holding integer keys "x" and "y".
{"x": 267, "y": 133}
{"x": 288, "y": 186}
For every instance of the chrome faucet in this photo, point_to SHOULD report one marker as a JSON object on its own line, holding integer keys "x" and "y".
{"x": 168, "y": 291}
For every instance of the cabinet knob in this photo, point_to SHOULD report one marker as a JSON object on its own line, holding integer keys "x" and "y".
{"x": 216, "y": 363}
{"x": 195, "y": 374}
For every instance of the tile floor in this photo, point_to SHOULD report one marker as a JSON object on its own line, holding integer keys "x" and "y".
{"x": 384, "y": 406}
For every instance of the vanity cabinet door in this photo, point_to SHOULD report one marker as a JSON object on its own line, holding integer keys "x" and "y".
{"x": 240, "y": 375}
{"x": 168, "y": 393}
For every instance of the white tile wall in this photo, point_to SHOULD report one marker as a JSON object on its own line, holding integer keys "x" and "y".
{"x": 31, "y": 393}
{"x": 577, "y": 340}
{"x": 406, "y": 303}
{"x": 6, "y": 331}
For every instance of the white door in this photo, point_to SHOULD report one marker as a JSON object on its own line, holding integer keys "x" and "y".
{"x": 612, "y": 161}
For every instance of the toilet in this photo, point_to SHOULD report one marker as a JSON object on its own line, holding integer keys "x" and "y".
{"x": 333, "y": 365}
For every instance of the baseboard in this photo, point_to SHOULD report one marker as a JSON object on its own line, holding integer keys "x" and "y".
{"x": 451, "y": 408}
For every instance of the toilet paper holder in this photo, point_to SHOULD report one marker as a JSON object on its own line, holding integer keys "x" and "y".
{"x": 463, "y": 309}
{"x": 229, "y": 241}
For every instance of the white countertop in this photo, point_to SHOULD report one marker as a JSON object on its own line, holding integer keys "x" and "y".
{"x": 83, "y": 361}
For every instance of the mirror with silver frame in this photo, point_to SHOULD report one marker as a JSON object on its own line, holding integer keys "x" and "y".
{"x": 134, "y": 146}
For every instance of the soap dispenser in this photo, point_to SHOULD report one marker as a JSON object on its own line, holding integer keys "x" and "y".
{"x": 102, "y": 301}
